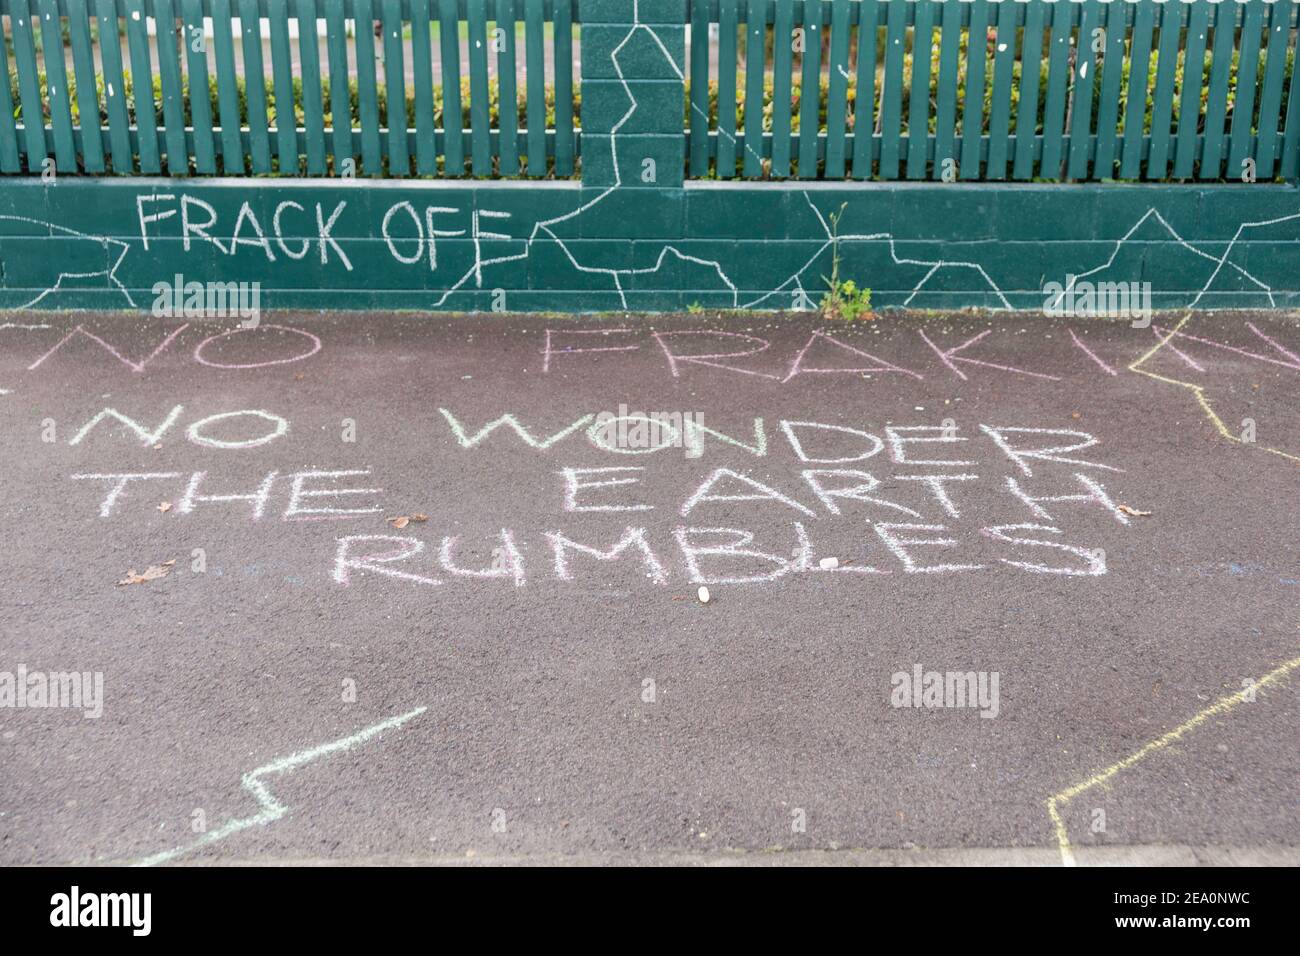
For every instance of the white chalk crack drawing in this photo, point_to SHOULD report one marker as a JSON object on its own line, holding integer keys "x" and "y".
{"x": 272, "y": 809}
{"x": 110, "y": 273}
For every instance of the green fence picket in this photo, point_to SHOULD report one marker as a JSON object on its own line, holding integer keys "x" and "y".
{"x": 142, "y": 97}
{"x": 313, "y": 105}
{"x": 918, "y": 107}
{"x": 479, "y": 113}
{"x": 837, "y": 100}
{"x": 340, "y": 104}
{"x": 1243, "y": 107}
{"x": 698, "y": 120}
{"x": 1135, "y": 107}
{"x": 945, "y": 110}
{"x": 286, "y": 122}
{"x": 755, "y": 67}
{"x": 1027, "y": 108}
{"x": 534, "y": 25}
{"x": 727, "y": 65}
{"x": 1189, "y": 103}
{"x": 196, "y": 70}
{"x": 372, "y": 150}
{"x": 232, "y": 146}
{"x": 56, "y": 87}
{"x": 891, "y": 91}
{"x": 1216, "y": 103}
{"x": 1084, "y": 81}
{"x": 453, "y": 127}
{"x": 782, "y": 82}
{"x": 173, "y": 94}
{"x": 1112, "y": 69}
{"x": 1291, "y": 138}
{"x": 1270, "y": 104}
{"x": 564, "y": 139}
{"x": 10, "y": 161}
{"x": 1162, "y": 109}
{"x": 972, "y": 126}
{"x": 259, "y": 140}
{"x": 426, "y": 149}
{"x": 508, "y": 92}
{"x": 1004, "y": 61}
{"x": 83, "y": 65}
{"x": 1058, "y": 76}
{"x": 864, "y": 123}
{"x": 119, "y": 120}
{"x": 29, "y": 88}
{"x": 399, "y": 156}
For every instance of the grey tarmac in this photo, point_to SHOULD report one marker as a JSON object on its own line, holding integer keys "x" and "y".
{"x": 314, "y": 679}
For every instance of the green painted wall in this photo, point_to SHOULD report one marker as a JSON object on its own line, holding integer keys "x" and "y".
{"x": 90, "y": 243}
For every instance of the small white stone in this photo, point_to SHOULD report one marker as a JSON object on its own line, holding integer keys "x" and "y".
{"x": 829, "y": 564}
{"x": 703, "y": 594}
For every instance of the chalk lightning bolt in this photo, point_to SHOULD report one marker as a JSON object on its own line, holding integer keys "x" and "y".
{"x": 271, "y": 808}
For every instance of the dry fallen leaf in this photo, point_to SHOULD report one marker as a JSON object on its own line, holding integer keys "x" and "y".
{"x": 165, "y": 506}
{"x": 399, "y": 522}
{"x": 152, "y": 573}
{"x": 1133, "y": 511}
{"x": 419, "y": 518}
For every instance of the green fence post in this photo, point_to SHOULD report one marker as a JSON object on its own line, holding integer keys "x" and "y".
{"x": 633, "y": 92}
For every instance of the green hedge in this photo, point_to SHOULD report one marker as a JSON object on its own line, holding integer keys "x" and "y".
{"x": 272, "y": 106}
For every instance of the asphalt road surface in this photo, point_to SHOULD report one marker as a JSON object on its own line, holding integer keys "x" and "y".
{"x": 366, "y": 626}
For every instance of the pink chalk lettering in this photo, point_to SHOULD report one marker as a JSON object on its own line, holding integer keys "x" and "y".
{"x": 880, "y": 365}
{"x": 709, "y": 359}
{"x": 949, "y": 357}
{"x": 548, "y": 351}
{"x": 315, "y": 346}
{"x": 1092, "y": 355}
{"x": 133, "y": 366}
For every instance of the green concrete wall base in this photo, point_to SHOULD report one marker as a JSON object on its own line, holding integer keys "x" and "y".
{"x": 519, "y": 246}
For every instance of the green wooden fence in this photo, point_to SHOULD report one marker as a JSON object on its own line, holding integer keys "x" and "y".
{"x": 806, "y": 89}
{"x": 1067, "y": 90}
{"x": 108, "y": 105}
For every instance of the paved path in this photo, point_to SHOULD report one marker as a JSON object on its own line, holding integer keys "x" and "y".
{"x": 311, "y": 681}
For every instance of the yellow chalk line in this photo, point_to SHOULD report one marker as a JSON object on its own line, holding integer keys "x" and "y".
{"x": 1198, "y": 391}
{"x": 1223, "y": 704}
{"x": 1219, "y": 707}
